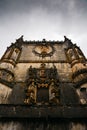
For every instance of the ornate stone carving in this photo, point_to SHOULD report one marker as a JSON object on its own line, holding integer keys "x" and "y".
{"x": 15, "y": 54}
{"x": 54, "y": 93}
{"x": 70, "y": 55}
{"x": 79, "y": 53}
{"x": 31, "y": 93}
{"x": 6, "y": 75}
{"x": 43, "y": 50}
{"x": 79, "y": 71}
{"x": 42, "y": 78}
{"x": 12, "y": 55}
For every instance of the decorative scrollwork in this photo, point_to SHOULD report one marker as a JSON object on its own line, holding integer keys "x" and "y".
{"x": 81, "y": 82}
{"x": 30, "y": 93}
{"x": 81, "y": 71}
{"x": 70, "y": 55}
{"x": 43, "y": 50}
{"x": 42, "y": 78}
{"x": 79, "y": 53}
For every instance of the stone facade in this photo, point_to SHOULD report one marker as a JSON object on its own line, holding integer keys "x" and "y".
{"x": 43, "y": 81}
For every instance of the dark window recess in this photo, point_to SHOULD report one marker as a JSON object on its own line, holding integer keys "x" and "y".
{"x": 83, "y": 89}
{"x": 42, "y": 94}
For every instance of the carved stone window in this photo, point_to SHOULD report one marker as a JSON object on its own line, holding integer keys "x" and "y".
{"x": 12, "y": 54}
{"x": 82, "y": 92}
{"x": 45, "y": 85}
{"x": 42, "y": 94}
{"x": 15, "y": 54}
{"x": 71, "y": 55}
{"x": 5, "y": 75}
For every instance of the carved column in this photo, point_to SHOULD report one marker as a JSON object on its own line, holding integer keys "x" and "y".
{"x": 79, "y": 72}
{"x": 54, "y": 93}
{"x": 7, "y": 64}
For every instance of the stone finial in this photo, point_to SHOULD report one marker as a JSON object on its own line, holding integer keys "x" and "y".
{"x": 44, "y": 41}
{"x": 68, "y": 41}
{"x": 20, "y": 39}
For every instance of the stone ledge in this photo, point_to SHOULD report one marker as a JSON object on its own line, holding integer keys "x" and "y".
{"x": 25, "y": 111}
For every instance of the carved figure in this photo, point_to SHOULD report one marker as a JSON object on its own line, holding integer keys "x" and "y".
{"x": 31, "y": 94}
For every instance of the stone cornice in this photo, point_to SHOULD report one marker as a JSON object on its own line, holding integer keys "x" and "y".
{"x": 46, "y": 112}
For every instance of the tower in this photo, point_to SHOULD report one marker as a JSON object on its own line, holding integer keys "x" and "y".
{"x": 43, "y": 85}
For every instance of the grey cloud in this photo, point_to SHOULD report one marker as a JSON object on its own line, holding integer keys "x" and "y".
{"x": 38, "y": 19}
{"x": 65, "y": 8}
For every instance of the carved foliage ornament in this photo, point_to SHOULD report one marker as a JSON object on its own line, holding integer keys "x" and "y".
{"x": 39, "y": 80}
{"x": 43, "y": 50}
{"x": 74, "y": 53}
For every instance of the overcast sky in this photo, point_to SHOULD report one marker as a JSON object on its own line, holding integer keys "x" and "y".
{"x": 38, "y": 19}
